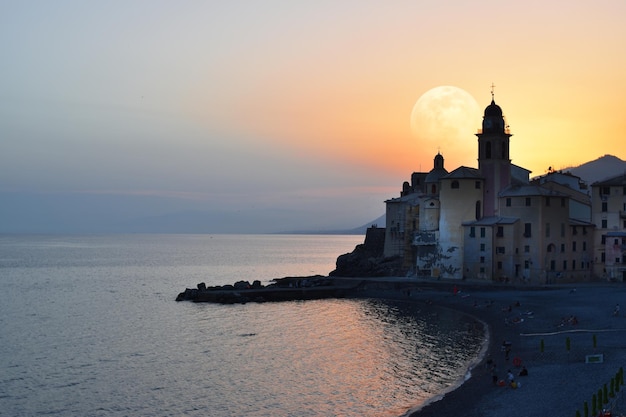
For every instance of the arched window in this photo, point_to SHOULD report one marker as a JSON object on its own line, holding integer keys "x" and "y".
{"x": 488, "y": 150}
{"x": 433, "y": 189}
{"x": 455, "y": 184}
{"x": 478, "y": 210}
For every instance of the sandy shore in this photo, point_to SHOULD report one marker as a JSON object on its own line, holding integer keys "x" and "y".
{"x": 559, "y": 380}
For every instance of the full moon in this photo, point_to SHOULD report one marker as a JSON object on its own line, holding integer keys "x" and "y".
{"x": 445, "y": 119}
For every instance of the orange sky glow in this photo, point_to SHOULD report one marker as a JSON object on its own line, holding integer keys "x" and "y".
{"x": 254, "y": 103}
{"x": 558, "y": 73}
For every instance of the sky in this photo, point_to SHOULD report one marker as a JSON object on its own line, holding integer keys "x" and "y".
{"x": 282, "y": 115}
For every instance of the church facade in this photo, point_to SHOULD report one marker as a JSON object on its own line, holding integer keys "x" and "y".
{"x": 493, "y": 222}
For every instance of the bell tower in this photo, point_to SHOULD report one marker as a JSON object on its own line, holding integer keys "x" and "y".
{"x": 493, "y": 156}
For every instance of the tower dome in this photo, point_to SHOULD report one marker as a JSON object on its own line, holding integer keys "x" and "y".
{"x": 493, "y": 121}
{"x": 438, "y": 170}
{"x": 493, "y": 110}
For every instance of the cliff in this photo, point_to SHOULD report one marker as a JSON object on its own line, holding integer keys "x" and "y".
{"x": 367, "y": 259}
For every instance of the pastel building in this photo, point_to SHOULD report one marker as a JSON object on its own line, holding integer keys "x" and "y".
{"x": 609, "y": 215}
{"x": 493, "y": 223}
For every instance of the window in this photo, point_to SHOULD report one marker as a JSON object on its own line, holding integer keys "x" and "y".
{"x": 482, "y": 259}
{"x": 547, "y": 201}
{"x": 605, "y": 190}
{"x": 526, "y": 264}
{"x": 508, "y": 201}
{"x": 573, "y": 246}
{"x": 616, "y": 241}
{"x": 454, "y": 184}
{"x": 564, "y": 265}
{"x": 549, "y": 248}
{"x": 482, "y": 247}
{"x": 547, "y": 229}
{"x": 574, "y": 230}
{"x": 472, "y": 231}
{"x": 603, "y": 239}
{"x": 482, "y": 269}
{"x": 500, "y": 250}
{"x": 527, "y": 230}
{"x": 562, "y": 201}
{"x": 584, "y": 245}
{"x": 499, "y": 265}
{"x": 488, "y": 150}
{"x": 477, "y": 185}
{"x": 605, "y": 206}
{"x": 562, "y": 247}
{"x": 482, "y": 232}
{"x": 603, "y": 257}
{"x": 478, "y": 210}
{"x": 574, "y": 264}
{"x": 526, "y": 249}
{"x": 500, "y": 232}
{"x": 552, "y": 265}
{"x": 527, "y": 201}
{"x": 604, "y": 223}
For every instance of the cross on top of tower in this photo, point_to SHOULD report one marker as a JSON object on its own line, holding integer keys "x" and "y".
{"x": 492, "y": 93}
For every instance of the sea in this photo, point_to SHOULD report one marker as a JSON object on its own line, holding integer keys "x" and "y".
{"x": 89, "y": 326}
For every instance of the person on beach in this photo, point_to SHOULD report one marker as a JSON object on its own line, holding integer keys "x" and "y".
{"x": 511, "y": 379}
{"x": 506, "y": 347}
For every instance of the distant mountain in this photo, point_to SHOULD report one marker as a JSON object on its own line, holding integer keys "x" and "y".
{"x": 599, "y": 169}
{"x": 380, "y": 222}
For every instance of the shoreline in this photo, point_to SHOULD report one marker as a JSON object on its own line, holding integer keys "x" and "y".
{"x": 467, "y": 376}
{"x": 559, "y": 380}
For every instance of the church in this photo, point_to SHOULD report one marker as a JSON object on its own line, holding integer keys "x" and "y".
{"x": 492, "y": 223}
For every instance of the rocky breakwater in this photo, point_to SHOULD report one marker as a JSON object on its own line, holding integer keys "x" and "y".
{"x": 281, "y": 289}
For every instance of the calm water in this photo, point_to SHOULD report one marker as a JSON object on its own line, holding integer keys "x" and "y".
{"x": 89, "y": 327}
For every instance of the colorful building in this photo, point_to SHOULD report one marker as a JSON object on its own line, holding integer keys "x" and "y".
{"x": 609, "y": 215}
{"x": 493, "y": 222}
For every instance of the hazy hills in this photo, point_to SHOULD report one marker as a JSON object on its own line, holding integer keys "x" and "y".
{"x": 599, "y": 169}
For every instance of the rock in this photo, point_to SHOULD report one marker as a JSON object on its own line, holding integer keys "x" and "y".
{"x": 368, "y": 260}
{"x": 241, "y": 285}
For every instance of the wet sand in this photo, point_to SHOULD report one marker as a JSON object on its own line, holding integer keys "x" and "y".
{"x": 559, "y": 380}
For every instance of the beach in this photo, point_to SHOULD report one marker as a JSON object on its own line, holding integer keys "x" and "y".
{"x": 567, "y": 336}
